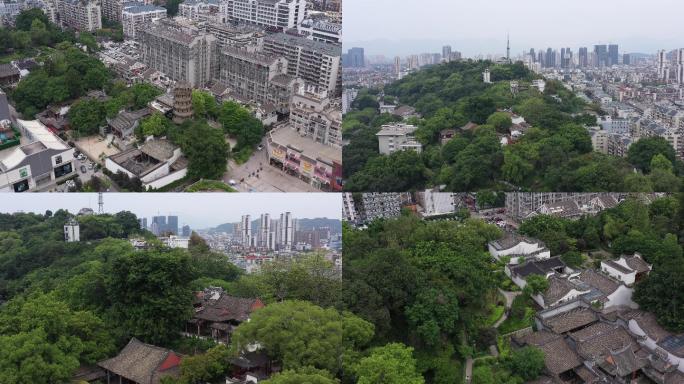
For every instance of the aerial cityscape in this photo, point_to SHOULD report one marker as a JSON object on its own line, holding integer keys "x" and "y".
{"x": 590, "y": 116}
{"x": 191, "y": 96}
{"x": 450, "y": 192}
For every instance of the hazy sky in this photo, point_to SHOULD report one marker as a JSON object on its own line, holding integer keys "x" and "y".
{"x": 480, "y": 27}
{"x": 199, "y": 210}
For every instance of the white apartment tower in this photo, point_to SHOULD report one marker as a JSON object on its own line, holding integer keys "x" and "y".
{"x": 183, "y": 53}
{"x": 662, "y": 65}
{"x": 72, "y": 231}
{"x": 286, "y": 232}
{"x": 679, "y": 65}
{"x": 246, "y": 226}
{"x": 265, "y": 232}
{"x": 136, "y": 14}
{"x": 80, "y": 15}
{"x": 285, "y": 14}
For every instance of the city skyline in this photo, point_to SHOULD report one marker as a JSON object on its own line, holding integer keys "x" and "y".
{"x": 524, "y": 21}
{"x": 200, "y": 210}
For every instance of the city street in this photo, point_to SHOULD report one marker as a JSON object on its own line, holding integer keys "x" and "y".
{"x": 269, "y": 179}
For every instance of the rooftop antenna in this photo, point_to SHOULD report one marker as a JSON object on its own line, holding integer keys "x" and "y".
{"x": 100, "y": 203}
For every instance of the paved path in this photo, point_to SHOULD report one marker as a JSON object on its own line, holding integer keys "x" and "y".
{"x": 509, "y": 296}
{"x": 469, "y": 370}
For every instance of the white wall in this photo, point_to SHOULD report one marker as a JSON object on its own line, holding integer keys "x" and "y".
{"x": 166, "y": 180}
{"x": 621, "y": 296}
{"x": 627, "y": 278}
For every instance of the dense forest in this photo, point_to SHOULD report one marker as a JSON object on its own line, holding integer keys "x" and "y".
{"x": 66, "y": 305}
{"x": 554, "y": 154}
{"x": 438, "y": 291}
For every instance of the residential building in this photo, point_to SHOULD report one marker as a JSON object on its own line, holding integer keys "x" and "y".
{"x": 201, "y": 10}
{"x": 44, "y": 160}
{"x": 72, "y": 231}
{"x": 183, "y": 53}
{"x": 285, "y": 235}
{"x": 397, "y": 137}
{"x": 135, "y": 15}
{"x": 81, "y": 15}
{"x": 349, "y": 212}
{"x": 257, "y": 77}
{"x": 322, "y": 30}
{"x": 437, "y": 203}
{"x": 627, "y": 269}
{"x": 315, "y": 62}
{"x": 316, "y": 116}
{"x": 281, "y": 14}
{"x": 354, "y": 58}
{"x": 174, "y": 241}
{"x": 238, "y": 36}
{"x": 518, "y": 247}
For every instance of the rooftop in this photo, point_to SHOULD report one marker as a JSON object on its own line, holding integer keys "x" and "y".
{"x": 288, "y": 137}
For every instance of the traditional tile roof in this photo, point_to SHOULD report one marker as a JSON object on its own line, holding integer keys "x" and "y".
{"x": 601, "y": 282}
{"x": 571, "y": 320}
{"x": 637, "y": 263}
{"x": 623, "y": 362}
{"x": 143, "y": 363}
{"x": 558, "y": 356}
{"x": 599, "y": 339}
{"x": 228, "y": 308}
{"x": 558, "y": 288}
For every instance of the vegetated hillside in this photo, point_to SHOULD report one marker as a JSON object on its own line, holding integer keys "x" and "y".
{"x": 554, "y": 153}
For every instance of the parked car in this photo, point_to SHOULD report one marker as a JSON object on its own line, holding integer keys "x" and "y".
{"x": 260, "y": 147}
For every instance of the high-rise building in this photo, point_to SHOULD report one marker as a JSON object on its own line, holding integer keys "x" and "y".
{"x": 355, "y": 58}
{"x": 143, "y": 222}
{"x": 446, "y": 53}
{"x": 626, "y": 59}
{"x": 183, "y": 53}
{"x": 284, "y": 14}
{"x": 134, "y": 15}
{"x": 186, "y": 231}
{"x": 158, "y": 224}
{"x": 550, "y": 58}
{"x": 679, "y": 65}
{"x": 583, "y": 57}
{"x": 201, "y": 10}
{"x": 533, "y": 56}
{"x": 246, "y": 227}
{"x": 601, "y": 55}
{"x": 258, "y": 77}
{"x": 314, "y": 62}
{"x": 265, "y": 231}
{"x": 81, "y": 15}
{"x": 172, "y": 224}
{"x": 613, "y": 54}
{"x": 111, "y": 9}
{"x": 285, "y": 232}
{"x": 662, "y": 64}
{"x": 397, "y": 66}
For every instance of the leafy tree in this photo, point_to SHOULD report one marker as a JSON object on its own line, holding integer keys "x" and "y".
{"x": 207, "y": 367}
{"x": 433, "y": 314}
{"x": 536, "y": 284}
{"x": 300, "y": 334}
{"x": 642, "y": 152}
{"x": 25, "y": 19}
{"x": 305, "y": 375}
{"x": 527, "y": 362}
{"x": 501, "y": 121}
{"x": 150, "y": 293}
{"x": 572, "y": 259}
{"x": 389, "y": 364}
{"x": 663, "y": 287}
{"x": 154, "y": 125}
{"x": 207, "y": 151}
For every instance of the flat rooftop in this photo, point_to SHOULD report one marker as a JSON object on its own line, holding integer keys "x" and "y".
{"x": 287, "y": 136}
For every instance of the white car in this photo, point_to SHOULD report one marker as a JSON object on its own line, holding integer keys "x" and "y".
{"x": 260, "y": 147}
{"x": 232, "y": 182}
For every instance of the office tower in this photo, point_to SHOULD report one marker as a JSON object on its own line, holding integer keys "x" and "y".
{"x": 186, "y": 231}
{"x": 183, "y": 53}
{"x": 143, "y": 222}
{"x": 172, "y": 224}
{"x": 80, "y": 15}
{"x": 246, "y": 226}
{"x": 533, "y": 57}
{"x": 626, "y": 59}
{"x": 282, "y": 14}
{"x": 613, "y": 54}
{"x": 446, "y": 53}
{"x": 357, "y": 57}
{"x": 158, "y": 225}
{"x": 550, "y": 58}
{"x": 259, "y": 77}
{"x": 134, "y": 15}
{"x": 583, "y": 57}
{"x": 541, "y": 58}
{"x": 601, "y": 52}
{"x": 397, "y": 66}
{"x": 314, "y": 62}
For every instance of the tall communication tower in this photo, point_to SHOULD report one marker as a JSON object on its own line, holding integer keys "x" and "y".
{"x": 508, "y": 48}
{"x": 100, "y": 203}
